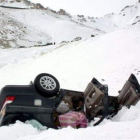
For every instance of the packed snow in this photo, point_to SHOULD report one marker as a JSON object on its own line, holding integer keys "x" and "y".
{"x": 110, "y": 57}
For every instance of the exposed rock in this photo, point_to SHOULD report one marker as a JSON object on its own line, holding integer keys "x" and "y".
{"x": 2, "y": 0}
{"x": 49, "y": 9}
{"x": 63, "y": 12}
{"x": 39, "y": 6}
{"x": 136, "y": 22}
{"x": 82, "y": 20}
{"x": 18, "y": 0}
{"x": 76, "y": 39}
{"x": 92, "y": 35}
{"x": 81, "y": 16}
{"x": 64, "y": 42}
{"x": 103, "y": 79}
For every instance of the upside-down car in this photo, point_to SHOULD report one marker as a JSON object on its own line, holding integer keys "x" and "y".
{"x": 44, "y": 101}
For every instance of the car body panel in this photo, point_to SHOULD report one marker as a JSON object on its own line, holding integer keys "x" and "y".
{"x": 24, "y": 104}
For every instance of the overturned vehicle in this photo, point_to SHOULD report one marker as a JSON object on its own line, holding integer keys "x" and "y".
{"x": 53, "y": 107}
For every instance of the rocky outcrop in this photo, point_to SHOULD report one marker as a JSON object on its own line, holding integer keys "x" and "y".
{"x": 39, "y": 6}
{"x": 81, "y": 18}
{"x": 18, "y": 0}
{"x": 49, "y": 9}
{"x": 63, "y": 12}
{"x": 2, "y": 0}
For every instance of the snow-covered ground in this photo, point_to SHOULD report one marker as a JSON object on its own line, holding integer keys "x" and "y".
{"x": 110, "y": 57}
{"x": 111, "y": 22}
{"x": 21, "y": 55}
{"x": 32, "y": 27}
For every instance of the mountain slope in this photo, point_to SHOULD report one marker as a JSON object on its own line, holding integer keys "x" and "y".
{"x": 34, "y": 25}
{"x": 110, "y": 58}
{"x": 14, "y": 33}
{"x": 39, "y": 25}
{"x": 128, "y": 16}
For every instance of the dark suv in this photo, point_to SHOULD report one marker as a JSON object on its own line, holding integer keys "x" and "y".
{"x": 37, "y": 101}
{"x": 41, "y": 99}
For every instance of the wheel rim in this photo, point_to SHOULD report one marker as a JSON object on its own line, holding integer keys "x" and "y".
{"x": 47, "y": 83}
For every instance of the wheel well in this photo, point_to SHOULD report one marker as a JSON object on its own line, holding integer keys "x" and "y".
{"x": 12, "y": 118}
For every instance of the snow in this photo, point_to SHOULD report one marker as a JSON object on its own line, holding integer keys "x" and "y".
{"x": 111, "y": 22}
{"x": 94, "y": 8}
{"x": 38, "y": 25}
{"x": 110, "y": 57}
{"x": 22, "y": 55}
{"x": 127, "y": 127}
{"x": 13, "y": 3}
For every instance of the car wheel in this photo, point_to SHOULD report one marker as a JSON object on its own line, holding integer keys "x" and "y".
{"x": 46, "y": 85}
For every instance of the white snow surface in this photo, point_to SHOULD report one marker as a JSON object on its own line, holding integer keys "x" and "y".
{"x": 37, "y": 26}
{"x": 110, "y": 58}
{"x": 14, "y": 3}
{"x": 32, "y": 27}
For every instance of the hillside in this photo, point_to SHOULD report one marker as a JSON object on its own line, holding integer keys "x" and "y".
{"x": 110, "y": 56}
{"x": 35, "y": 26}
{"x": 129, "y": 15}
{"x": 39, "y": 26}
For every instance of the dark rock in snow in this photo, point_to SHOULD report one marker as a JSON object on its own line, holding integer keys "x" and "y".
{"x": 63, "y": 12}
{"x": 76, "y": 39}
{"x": 92, "y": 35}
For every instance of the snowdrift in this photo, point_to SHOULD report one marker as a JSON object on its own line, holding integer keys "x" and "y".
{"x": 109, "y": 57}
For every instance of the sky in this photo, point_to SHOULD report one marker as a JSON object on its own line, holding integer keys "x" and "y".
{"x": 95, "y": 8}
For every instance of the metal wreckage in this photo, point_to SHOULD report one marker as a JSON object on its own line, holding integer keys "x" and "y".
{"x": 44, "y": 101}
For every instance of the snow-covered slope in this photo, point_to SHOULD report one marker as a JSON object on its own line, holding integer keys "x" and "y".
{"x": 38, "y": 26}
{"x": 112, "y": 57}
{"x": 42, "y": 26}
{"x": 16, "y": 34}
{"x": 110, "y": 22}
{"x": 17, "y": 3}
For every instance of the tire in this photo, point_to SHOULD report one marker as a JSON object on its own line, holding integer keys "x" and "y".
{"x": 46, "y": 85}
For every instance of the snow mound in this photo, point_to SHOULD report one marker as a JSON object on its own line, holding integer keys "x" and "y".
{"x": 123, "y": 126}
{"x": 17, "y": 130}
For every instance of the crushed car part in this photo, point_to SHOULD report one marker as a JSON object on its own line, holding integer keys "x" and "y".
{"x": 43, "y": 101}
